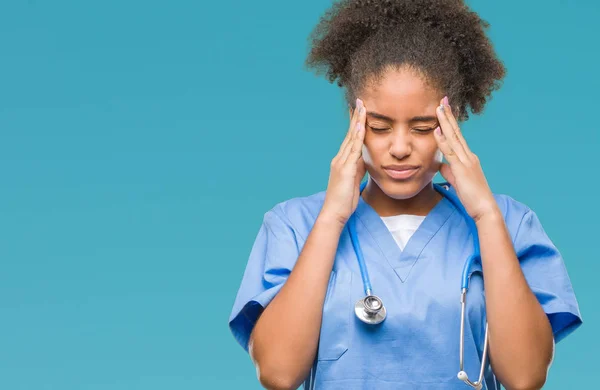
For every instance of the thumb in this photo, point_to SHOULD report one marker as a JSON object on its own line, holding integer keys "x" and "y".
{"x": 447, "y": 174}
{"x": 361, "y": 169}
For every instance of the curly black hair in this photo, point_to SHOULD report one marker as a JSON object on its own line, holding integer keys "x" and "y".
{"x": 355, "y": 41}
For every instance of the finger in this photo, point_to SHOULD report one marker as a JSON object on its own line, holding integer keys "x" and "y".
{"x": 445, "y": 146}
{"x": 351, "y": 127}
{"x": 450, "y": 135}
{"x": 455, "y": 124}
{"x": 349, "y": 142}
{"x": 354, "y": 148}
{"x": 357, "y": 145}
{"x": 353, "y": 119}
{"x": 355, "y": 113}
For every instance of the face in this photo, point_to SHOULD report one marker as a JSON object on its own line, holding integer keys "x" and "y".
{"x": 400, "y": 151}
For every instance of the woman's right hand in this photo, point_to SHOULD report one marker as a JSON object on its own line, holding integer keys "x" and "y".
{"x": 347, "y": 170}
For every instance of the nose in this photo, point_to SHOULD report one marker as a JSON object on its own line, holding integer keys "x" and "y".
{"x": 400, "y": 143}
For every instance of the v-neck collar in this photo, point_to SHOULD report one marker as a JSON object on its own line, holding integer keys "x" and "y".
{"x": 403, "y": 261}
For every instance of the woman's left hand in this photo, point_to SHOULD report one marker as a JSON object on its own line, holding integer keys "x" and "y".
{"x": 464, "y": 171}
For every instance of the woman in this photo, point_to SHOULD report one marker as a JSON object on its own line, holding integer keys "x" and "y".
{"x": 411, "y": 71}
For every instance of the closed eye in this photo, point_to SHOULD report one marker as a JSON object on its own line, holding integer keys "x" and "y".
{"x": 424, "y": 131}
{"x": 420, "y": 131}
{"x": 378, "y": 129}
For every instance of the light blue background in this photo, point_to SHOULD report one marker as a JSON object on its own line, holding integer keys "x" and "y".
{"x": 142, "y": 141}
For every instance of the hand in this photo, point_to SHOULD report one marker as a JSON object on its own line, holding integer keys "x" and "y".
{"x": 347, "y": 170}
{"x": 464, "y": 172}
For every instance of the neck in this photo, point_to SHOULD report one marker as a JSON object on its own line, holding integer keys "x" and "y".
{"x": 420, "y": 204}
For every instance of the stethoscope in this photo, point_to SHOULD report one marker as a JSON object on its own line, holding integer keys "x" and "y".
{"x": 371, "y": 310}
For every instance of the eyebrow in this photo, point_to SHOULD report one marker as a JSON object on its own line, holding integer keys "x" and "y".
{"x": 424, "y": 118}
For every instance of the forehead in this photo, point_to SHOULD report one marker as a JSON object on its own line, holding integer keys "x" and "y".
{"x": 400, "y": 94}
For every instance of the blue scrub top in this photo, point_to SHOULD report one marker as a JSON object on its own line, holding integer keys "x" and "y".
{"x": 417, "y": 346}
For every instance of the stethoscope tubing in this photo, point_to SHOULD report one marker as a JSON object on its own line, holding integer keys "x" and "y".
{"x": 476, "y": 256}
{"x": 456, "y": 203}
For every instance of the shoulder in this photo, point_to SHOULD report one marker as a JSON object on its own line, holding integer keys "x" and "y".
{"x": 513, "y": 211}
{"x": 510, "y": 206}
{"x": 298, "y": 213}
{"x": 516, "y": 214}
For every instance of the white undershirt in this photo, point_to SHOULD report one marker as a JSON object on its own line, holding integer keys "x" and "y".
{"x": 402, "y": 227}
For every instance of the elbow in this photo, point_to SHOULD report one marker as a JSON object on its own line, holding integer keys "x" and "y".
{"x": 527, "y": 383}
{"x": 275, "y": 371}
{"x": 526, "y": 378}
{"x": 274, "y": 383}
{"x": 277, "y": 380}
{"x": 274, "y": 375}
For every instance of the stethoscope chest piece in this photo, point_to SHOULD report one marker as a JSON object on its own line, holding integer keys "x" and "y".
{"x": 370, "y": 310}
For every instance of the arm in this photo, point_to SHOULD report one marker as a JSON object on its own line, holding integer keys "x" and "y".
{"x": 520, "y": 334}
{"x": 284, "y": 341}
{"x": 283, "y": 344}
{"x": 521, "y": 340}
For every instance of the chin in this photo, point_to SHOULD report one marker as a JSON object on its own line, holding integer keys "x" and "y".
{"x": 403, "y": 189}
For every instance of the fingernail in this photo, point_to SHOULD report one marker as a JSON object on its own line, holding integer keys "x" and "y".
{"x": 358, "y": 103}
{"x": 438, "y": 131}
{"x": 446, "y": 101}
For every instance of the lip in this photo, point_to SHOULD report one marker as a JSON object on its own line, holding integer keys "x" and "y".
{"x": 401, "y": 172}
